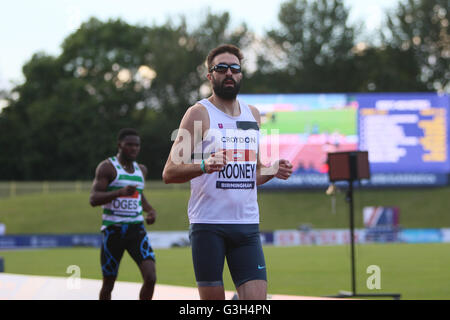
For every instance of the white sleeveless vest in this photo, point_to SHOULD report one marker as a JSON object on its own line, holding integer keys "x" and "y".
{"x": 124, "y": 210}
{"x": 228, "y": 196}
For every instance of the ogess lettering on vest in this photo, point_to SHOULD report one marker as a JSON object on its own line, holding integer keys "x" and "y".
{"x": 125, "y": 204}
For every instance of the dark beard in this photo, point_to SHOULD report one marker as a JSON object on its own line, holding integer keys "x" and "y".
{"x": 226, "y": 93}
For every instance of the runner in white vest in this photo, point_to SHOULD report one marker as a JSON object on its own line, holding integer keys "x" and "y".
{"x": 216, "y": 149}
{"x": 119, "y": 187}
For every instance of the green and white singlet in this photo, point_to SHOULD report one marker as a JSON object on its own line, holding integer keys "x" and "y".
{"x": 124, "y": 210}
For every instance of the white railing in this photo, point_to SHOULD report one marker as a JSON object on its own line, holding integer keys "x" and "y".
{"x": 17, "y": 188}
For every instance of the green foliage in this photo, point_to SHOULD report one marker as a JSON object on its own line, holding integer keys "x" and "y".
{"x": 315, "y": 51}
{"x": 63, "y": 120}
{"x": 109, "y": 75}
{"x": 314, "y": 43}
{"x": 422, "y": 27}
{"x": 387, "y": 69}
{"x": 314, "y": 33}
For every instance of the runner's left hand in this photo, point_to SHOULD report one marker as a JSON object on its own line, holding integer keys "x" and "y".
{"x": 284, "y": 169}
{"x": 151, "y": 217}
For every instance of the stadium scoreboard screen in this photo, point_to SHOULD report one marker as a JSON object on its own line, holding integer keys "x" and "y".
{"x": 405, "y": 134}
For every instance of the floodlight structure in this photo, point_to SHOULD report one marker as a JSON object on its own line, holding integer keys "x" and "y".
{"x": 352, "y": 166}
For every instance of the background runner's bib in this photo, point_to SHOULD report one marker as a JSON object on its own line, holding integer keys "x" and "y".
{"x": 128, "y": 209}
{"x": 228, "y": 196}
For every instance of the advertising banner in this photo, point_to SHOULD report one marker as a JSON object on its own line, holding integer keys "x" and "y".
{"x": 316, "y": 237}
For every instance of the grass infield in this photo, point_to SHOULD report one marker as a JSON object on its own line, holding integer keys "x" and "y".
{"x": 417, "y": 271}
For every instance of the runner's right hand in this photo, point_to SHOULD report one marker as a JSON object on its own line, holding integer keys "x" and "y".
{"x": 127, "y": 191}
{"x": 216, "y": 161}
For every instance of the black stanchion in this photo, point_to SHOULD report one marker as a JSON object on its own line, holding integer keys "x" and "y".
{"x": 352, "y": 166}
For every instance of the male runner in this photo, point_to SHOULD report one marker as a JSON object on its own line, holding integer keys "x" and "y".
{"x": 221, "y": 133}
{"x": 118, "y": 186}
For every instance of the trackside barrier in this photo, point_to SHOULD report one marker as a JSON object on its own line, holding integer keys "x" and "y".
{"x": 171, "y": 239}
{"x": 17, "y": 188}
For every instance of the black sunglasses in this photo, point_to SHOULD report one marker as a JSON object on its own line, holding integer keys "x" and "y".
{"x": 223, "y": 67}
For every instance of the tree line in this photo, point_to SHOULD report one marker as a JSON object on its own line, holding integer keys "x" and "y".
{"x": 63, "y": 120}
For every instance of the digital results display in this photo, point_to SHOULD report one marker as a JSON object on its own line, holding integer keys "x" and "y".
{"x": 405, "y": 134}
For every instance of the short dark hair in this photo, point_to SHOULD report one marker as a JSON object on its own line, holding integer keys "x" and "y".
{"x": 222, "y": 49}
{"x": 126, "y": 132}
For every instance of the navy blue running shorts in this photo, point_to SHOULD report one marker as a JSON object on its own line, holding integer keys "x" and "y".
{"x": 117, "y": 239}
{"x": 240, "y": 244}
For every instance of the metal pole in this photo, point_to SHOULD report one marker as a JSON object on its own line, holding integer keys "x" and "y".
{"x": 352, "y": 235}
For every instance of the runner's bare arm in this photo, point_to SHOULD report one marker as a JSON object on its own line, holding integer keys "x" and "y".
{"x": 281, "y": 169}
{"x": 104, "y": 174}
{"x": 151, "y": 212}
{"x": 146, "y": 206}
{"x": 260, "y": 177}
{"x": 179, "y": 167}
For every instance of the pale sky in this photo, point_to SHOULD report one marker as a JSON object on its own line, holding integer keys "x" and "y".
{"x": 28, "y": 26}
